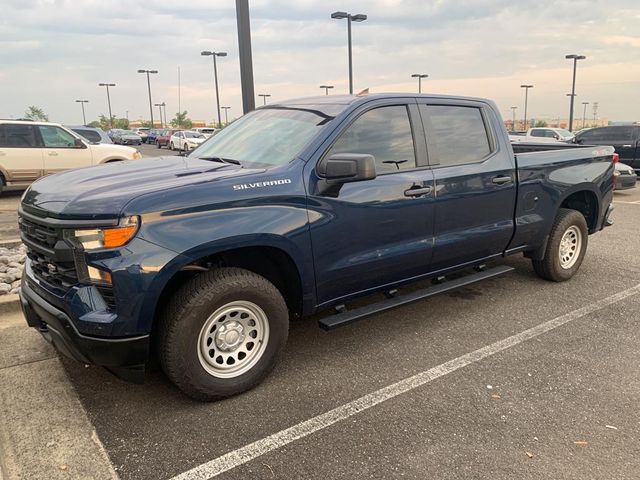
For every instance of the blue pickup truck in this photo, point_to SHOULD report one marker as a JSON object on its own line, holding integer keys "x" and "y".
{"x": 295, "y": 208}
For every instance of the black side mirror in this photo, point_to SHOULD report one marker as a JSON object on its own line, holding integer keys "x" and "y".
{"x": 347, "y": 167}
{"x": 77, "y": 143}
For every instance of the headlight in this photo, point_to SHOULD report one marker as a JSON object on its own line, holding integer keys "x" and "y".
{"x": 106, "y": 237}
{"x": 136, "y": 155}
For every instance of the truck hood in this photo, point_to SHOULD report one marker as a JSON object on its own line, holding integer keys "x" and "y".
{"x": 103, "y": 191}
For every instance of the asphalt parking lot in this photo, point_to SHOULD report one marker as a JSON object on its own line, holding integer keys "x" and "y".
{"x": 560, "y": 404}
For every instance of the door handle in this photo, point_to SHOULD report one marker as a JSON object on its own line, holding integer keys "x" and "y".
{"x": 501, "y": 179}
{"x": 418, "y": 191}
{"x": 2, "y": 154}
{"x": 53, "y": 154}
{"x": 627, "y": 146}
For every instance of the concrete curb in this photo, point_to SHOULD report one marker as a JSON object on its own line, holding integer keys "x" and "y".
{"x": 10, "y": 243}
{"x": 9, "y": 304}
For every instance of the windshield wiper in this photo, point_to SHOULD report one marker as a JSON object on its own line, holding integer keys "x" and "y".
{"x": 221, "y": 160}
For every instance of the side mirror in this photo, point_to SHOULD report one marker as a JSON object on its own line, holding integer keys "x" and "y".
{"x": 77, "y": 143}
{"x": 347, "y": 167}
{"x": 556, "y": 136}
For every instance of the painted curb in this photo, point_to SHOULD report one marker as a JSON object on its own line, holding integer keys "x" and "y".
{"x": 9, "y": 304}
{"x": 11, "y": 243}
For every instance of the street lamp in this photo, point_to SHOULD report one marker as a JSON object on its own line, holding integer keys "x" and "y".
{"x": 326, "y": 88}
{"x": 526, "y": 102}
{"x": 264, "y": 97}
{"x": 160, "y": 105}
{"x": 584, "y": 113}
{"x": 419, "y": 76}
{"x": 207, "y": 53}
{"x": 575, "y": 59}
{"x": 513, "y": 122}
{"x": 82, "y": 102}
{"x": 350, "y": 18}
{"x": 108, "y": 100}
{"x": 149, "y": 86}
{"x": 226, "y": 115}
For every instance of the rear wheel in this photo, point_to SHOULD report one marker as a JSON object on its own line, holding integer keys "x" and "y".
{"x": 158, "y": 144}
{"x": 222, "y": 333}
{"x": 566, "y": 247}
{"x": 171, "y": 146}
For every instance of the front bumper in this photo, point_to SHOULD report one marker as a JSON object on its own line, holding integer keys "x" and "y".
{"x": 125, "y": 357}
{"x": 624, "y": 182}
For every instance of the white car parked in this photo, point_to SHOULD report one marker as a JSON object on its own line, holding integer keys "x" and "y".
{"x": 185, "y": 140}
{"x": 30, "y": 150}
{"x": 544, "y": 135}
{"x": 206, "y": 131}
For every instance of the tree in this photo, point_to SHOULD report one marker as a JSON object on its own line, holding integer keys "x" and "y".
{"x": 104, "y": 123}
{"x": 36, "y": 113}
{"x": 181, "y": 120}
{"x": 540, "y": 124}
{"x": 147, "y": 123}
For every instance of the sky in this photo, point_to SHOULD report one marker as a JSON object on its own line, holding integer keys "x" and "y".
{"x": 53, "y": 52}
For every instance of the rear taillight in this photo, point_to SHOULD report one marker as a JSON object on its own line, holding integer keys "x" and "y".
{"x": 616, "y": 158}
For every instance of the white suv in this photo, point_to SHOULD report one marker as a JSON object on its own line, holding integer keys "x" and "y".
{"x": 29, "y": 150}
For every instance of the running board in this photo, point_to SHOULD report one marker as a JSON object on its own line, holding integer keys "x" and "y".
{"x": 345, "y": 317}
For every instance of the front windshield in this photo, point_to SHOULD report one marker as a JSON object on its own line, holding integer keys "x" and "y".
{"x": 564, "y": 133}
{"x": 268, "y": 136}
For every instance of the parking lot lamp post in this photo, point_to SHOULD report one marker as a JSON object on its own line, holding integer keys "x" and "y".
{"x": 207, "y": 53}
{"x": 84, "y": 118}
{"x": 326, "y": 88}
{"x": 159, "y": 105}
{"x": 149, "y": 87}
{"x": 264, "y": 97}
{"x": 226, "y": 115}
{"x": 350, "y": 18}
{"x": 513, "y": 121}
{"x": 164, "y": 108}
{"x": 584, "y": 113}
{"x": 526, "y": 102}
{"x": 575, "y": 59}
{"x": 419, "y": 76}
{"x": 108, "y": 100}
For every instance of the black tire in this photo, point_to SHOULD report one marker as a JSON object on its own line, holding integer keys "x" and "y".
{"x": 181, "y": 323}
{"x": 158, "y": 144}
{"x": 550, "y": 267}
{"x": 171, "y": 146}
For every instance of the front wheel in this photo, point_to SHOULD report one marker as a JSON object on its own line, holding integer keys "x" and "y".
{"x": 566, "y": 247}
{"x": 171, "y": 146}
{"x": 222, "y": 333}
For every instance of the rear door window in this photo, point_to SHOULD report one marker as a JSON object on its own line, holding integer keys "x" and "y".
{"x": 458, "y": 134}
{"x": 18, "y": 135}
{"x": 55, "y": 137}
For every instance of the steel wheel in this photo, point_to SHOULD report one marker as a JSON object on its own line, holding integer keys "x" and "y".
{"x": 233, "y": 339}
{"x": 570, "y": 246}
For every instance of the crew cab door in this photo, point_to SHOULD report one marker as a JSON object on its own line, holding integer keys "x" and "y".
{"x": 60, "y": 150}
{"x": 20, "y": 153}
{"x": 475, "y": 181}
{"x": 371, "y": 233}
{"x": 624, "y": 138}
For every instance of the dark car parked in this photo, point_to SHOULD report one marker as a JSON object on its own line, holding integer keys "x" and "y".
{"x": 293, "y": 209}
{"x": 93, "y": 135}
{"x": 624, "y": 138}
{"x": 163, "y": 139}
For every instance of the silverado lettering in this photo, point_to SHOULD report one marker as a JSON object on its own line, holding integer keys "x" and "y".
{"x": 266, "y": 183}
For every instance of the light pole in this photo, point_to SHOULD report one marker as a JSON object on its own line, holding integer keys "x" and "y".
{"x": 419, "y": 76}
{"x": 207, "y": 53}
{"x": 513, "y": 121}
{"x": 159, "y": 105}
{"x": 326, "y": 88}
{"x": 108, "y": 100}
{"x": 350, "y": 18}
{"x": 575, "y": 59}
{"x": 82, "y": 102}
{"x": 164, "y": 107}
{"x": 149, "y": 87}
{"x": 595, "y": 114}
{"x": 226, "y": 115}
{"x": 584, "y": 113}
{"x": 526, "y": 102}
{"x": 264, "y": 97}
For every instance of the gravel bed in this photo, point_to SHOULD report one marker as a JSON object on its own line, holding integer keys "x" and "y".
{"x": 11, "y": 265}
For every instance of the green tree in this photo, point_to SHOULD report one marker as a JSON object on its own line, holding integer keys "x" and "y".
{"x": 540, "y": 124}
{"x": 104, "y": 123}
{"x": 147, "y": 123}
{"x": 122, "y": 123}
{"x": 181, "y": 120}
{"x": 36, "y": 113}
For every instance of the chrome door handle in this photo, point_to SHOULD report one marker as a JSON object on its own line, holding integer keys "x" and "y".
{"x": 2, "y": 154}
{"x": 627, "y": 146}
{"x": 418, "y": 191}
{"x": 53, "y": 154}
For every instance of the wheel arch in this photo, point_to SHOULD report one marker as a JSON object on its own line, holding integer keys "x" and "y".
{"x": 585, "y": 200}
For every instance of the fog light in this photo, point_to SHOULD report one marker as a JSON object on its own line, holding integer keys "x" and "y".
{"x": 99, "y": 276}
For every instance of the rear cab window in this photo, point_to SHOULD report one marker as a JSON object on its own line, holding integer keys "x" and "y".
{"x": 456, "y": 134}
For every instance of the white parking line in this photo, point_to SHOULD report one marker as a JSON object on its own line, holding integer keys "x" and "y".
{"x": 637, "y": 202}
{"x": 253, "y": 450}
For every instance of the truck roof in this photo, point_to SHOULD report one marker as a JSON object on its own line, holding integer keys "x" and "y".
{"x": 352, "y": 99}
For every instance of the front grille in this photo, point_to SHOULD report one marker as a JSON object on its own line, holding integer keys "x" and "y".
{"x": 53, "y": 262}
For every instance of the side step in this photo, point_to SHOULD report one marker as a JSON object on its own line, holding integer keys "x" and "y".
{"x": 350, "y": 316}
